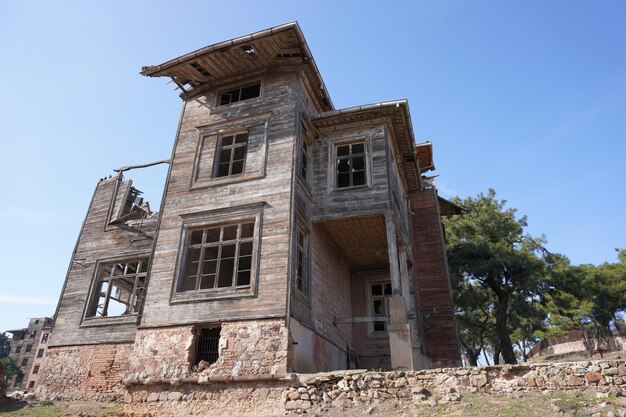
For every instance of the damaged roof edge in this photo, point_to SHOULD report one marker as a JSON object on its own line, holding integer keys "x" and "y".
{"x": 152, "y": 71}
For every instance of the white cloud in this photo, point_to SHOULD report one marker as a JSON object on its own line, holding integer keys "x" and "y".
{"x": 27, "y": 300}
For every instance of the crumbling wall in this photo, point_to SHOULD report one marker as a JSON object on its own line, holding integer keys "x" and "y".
{"x": 256, "y": 347}
{"x": 88, "y": 372}
{"x": 340, "y": 390}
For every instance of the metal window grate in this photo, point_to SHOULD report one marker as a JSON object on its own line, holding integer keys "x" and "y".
{"x": 208, "y": 345}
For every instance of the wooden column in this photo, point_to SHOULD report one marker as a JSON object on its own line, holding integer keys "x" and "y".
{"x": 392, "y": 245}
{"x": 404, "y": 278}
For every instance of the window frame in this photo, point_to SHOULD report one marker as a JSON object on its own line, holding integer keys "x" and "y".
{"x": 219, "y": 149}
{"x": 349, "y": 139}
{"x": 218, "y": 218}
{"x": 40, "y": 353}
{"x": 305, "y": 146}
{"x": 232, "y": 87}
{"x": 89, "y": 320}
{"x": 305, "y": 250}
{"x": 29, "y": 348}
{"x": 370, "y": 305}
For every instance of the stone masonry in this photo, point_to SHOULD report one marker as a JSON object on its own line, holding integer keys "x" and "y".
{"x": 246, "y": 348}
{"x": 360, "y": 388}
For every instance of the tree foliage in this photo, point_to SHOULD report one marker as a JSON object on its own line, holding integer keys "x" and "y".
{"x": 489, "y": 251}
{"x": 510, "y": 291}
{"x": 5, "y": 345}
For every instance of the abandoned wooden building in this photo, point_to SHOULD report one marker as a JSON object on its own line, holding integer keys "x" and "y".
{"x": 291, "y": 237}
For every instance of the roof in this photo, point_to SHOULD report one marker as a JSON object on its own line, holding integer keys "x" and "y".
{"x": 448, "y": 208}
{"x": 398, "y": 114}
{"x": 244, "y": 57}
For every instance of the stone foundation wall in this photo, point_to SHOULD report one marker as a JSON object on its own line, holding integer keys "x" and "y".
{"x": 245, "y": 348}
{"x": 91, "y": 372}
{"x": 247, "y": 396}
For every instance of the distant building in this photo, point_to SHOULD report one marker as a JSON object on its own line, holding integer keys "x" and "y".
{"x": 28, "y": 348}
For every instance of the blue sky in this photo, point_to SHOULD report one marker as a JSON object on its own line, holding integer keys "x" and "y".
{"x": 526, "y": 97}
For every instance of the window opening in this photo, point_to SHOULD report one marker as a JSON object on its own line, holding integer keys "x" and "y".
{"x": 18, "y": 381}
{"x": 304, "y": 159}
{"x": 18, "y": 348}
{"x": 302, "y": 261}
{"x": 120, "y": 288}
{"x": 231, "y": 154}
{"x": 218, "y": 257}
{"x": 28, "y": 348}
{"x": 24, "y": 362}
{"x": 33, "y": 334}
{"x": 44, "y": 338}
{"x": 208, "y": 345}
{"x": 351, "y": 165}
{"x": 40, "y": 353}
{"x": 36, "y": 369}
{"x": 241, "y": 93}
{"x": 31, "y": 384}
{"x": 379, "y": 292}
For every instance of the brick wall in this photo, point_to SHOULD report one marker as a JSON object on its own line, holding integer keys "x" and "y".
{"x": 434, "y": 295}
{"x": 84, "y": 372}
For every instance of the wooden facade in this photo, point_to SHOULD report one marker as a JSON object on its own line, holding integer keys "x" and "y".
{"x": 301, "y": 213}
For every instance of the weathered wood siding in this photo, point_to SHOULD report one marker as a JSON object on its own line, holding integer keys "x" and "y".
{"x": 330, "y": 202}
{"x": 267, "y": 180}
{"x": 131, "y": 239}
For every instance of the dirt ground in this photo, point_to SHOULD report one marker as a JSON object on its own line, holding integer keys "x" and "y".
{"x": 470, "y": 405}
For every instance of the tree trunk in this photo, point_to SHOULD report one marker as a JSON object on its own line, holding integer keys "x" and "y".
{"x": 502, "y": 331}
{"x": 471, "y": 356}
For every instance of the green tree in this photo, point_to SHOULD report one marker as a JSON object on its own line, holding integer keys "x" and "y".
{"x": 10, "y": 368}
{"x": 489, "y": 250}
{"x": 5, "y": 345}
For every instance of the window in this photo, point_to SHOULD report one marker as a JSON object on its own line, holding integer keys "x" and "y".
{"x": 119, "y": 289}
{"x": 304, "y": 159}
{"x": 18, "y": 348}
{"x": 33, "y": 334}
{"x": 207, "y": 348}
{"x": 44, "y": 338}
{"x": 36, "y": 369}
{"x": 40, "y": 353}
{"x": 218, "y": 257}
{"x": 302, "y": 261}
{"x": 31, "y": 384}
{"x": 231, "y": 154}
{"x": 18, "y": 381}
{"x": 28, "y": 348}
{"x": 241, "y": 93}
{"x": 24, "y": 362}
{"x": 36, "y": 321}
{"x": 378, "y": 294}
{"x": 351, "y": 165}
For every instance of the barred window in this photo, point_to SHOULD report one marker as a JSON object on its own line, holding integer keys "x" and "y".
{"x": 218, "y": 257}
{"x": 119, "y": 289}
{"x": 207, "y": 347}
{"x": 351, "y": 165}
{"x": 231, "y": 155}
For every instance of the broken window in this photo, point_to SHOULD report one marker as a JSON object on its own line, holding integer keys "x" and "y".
{"x": 18, "y": 348}
{"x": 218, "y": 257}
{"x": 128, "y": 204}
{"x": 378, "y": 296}
{"x": 36, "y": 369}
{"x": 44, "y": 338}
{"x": 18, "y": 381}
{"x": 302, "y": 261}
{"x": 350, "y": 165}
{"x": 33, "y": 334}
{"x": 241, "y": 93}
{"x": 119, "y": 288}
{"x": 31, "y": 384}
{"x": 231, "y": 154}
{"x": 40, "y": 353}
{"x": 24, "y": 362}
{"x": 28, "y": 348}
{"x": 207, "y": 346}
